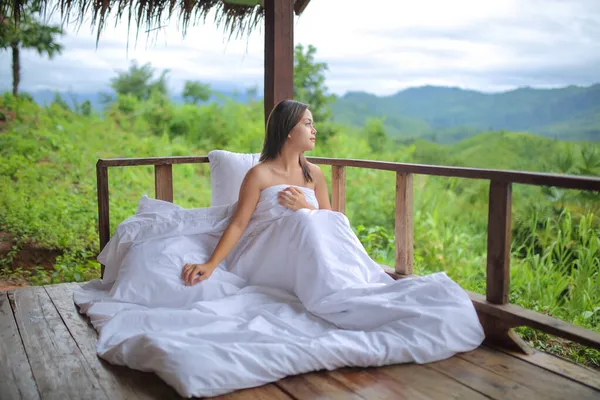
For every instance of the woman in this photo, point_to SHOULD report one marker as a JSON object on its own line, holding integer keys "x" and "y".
{"x": 291, "y": 287}
{"x": 290, "y": 132}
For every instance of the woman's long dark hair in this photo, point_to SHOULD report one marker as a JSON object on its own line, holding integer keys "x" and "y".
{"x": 281, "y": 121}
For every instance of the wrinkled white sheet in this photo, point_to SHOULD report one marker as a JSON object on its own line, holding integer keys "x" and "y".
{"x": 297, "y": 294}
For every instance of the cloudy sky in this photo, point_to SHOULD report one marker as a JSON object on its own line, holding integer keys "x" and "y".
{"x": 379, "y": 46}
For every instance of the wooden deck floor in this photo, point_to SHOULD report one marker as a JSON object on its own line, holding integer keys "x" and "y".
{"x": 47, "y": 351}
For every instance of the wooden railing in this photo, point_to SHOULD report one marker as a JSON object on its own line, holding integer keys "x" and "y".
{"x": 497, "y": 316}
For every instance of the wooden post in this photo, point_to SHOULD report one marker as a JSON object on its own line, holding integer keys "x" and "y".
{"x": 163, "y": 182}
{"x": 498, "y": 243}
{"x": 404, "y": 224}
{"x": 279, "y": 52}
{"x": 338, "y": 188}
{"x": 498, "y": 332}
{"x": 103, "y": 215}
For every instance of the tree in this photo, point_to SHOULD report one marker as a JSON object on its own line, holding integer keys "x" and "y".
{"x": 309, "y": 88}
{"x": 139, "y": 82}
{"x": 28, "y": 33}
{"x": 195, "y": 92}
{"x": 375, "y": 132}
{"x": 590, "y": 161}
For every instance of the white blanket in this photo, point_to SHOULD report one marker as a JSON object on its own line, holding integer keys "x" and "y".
{"x": 298, "y": 293}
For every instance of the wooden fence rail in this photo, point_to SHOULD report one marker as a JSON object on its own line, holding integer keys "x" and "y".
{"x": 497, "y": 316}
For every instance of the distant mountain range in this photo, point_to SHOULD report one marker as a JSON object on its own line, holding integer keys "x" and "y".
{"x": 447, "y": 115}
{"x": 45, "y": 97}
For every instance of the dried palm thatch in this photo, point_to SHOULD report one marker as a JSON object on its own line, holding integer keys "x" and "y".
{"x": 236, "y": 17}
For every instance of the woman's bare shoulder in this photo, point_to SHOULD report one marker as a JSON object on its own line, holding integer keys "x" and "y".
{"x": 258, "y": 175}
{"x": 315, "y": 169}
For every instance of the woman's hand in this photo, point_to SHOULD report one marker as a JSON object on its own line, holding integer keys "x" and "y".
{"x": 293, "y": 198}
{"x": 194, "y": 273}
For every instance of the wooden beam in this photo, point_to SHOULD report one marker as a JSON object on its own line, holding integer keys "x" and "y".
{"x": 163, "y": 182}
{"x": 103, "y": 207}
{"x": 498, "y": 243}
{"x": 404, "y": 224}
{"x": 497, "y": 331}
{"x": 527, "y": 178}
{"x": 338, "y": 189}
{"x": 129, "y": 162}
{"x": 279, "y": 52}
{"x": 512, "y": 315}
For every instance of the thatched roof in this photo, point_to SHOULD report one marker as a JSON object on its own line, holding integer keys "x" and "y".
{"x": 237, "y": 17}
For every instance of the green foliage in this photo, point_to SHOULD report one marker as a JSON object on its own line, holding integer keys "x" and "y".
{"x": 379, "y": 242}
{"x": 58, "y": 100}
{"x": 196, "y": 92}
{"x": 85, "y": 108}
{"x": 28, "y": 33}
{"x": 59, "y": 148}
{"x": 139, "y": 82}
{"x": 374, "y": 131}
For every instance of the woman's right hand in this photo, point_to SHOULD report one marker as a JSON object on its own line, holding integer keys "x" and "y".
{"x": 194, "y": 273}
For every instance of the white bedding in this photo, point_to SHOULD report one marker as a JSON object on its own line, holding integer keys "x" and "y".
{"x": 297, "y": 294}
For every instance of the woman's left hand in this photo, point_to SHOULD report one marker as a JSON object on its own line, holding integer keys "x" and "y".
{"x": 293, "y": 198}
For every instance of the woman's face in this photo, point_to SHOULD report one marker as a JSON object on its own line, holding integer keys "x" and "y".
{"x": 303, "y": 135}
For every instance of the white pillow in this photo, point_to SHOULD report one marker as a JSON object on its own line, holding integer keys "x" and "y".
{"x": 227, "y": 171}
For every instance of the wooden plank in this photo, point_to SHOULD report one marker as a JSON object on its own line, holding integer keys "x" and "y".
{"x": 566, "y": 368}
{"x": 163, "y": 182}
{"x": 404, "y": 224}
{"x": 428, "y": 382}
{"x": 127, "y": 162}
{"x": 279, "y": 53}
{"x": 17, "y": 379}
{"x": 368, "y": 384}
{"x": 529, "y": 178}
{"x": 118, "y": 382}
{"x": 266, "y": 392}
{"x": 338, "y": 189}
{"x": 483, "y": 380}
{"x": 513, "y": 315}
{"x": 498, "y": 242}
{"x": 550, "y": 384}
{"x": 59, "y": 368}
{"x": 316, "y": 385}
{"x": 103, "y": 207}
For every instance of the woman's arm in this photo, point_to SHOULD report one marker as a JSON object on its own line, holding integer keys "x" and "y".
{"x": 294, "y": 199}
{"x": 248, "y": 198}
{"x": 321, "y": 190}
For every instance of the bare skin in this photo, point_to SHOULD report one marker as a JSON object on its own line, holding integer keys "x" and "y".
{"x": 282, "y": 170}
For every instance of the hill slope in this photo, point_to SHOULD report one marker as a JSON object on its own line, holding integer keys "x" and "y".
{"x": 449, "y": 114}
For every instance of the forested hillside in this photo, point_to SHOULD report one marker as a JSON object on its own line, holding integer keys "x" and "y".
{"x": 446, "y": 115}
